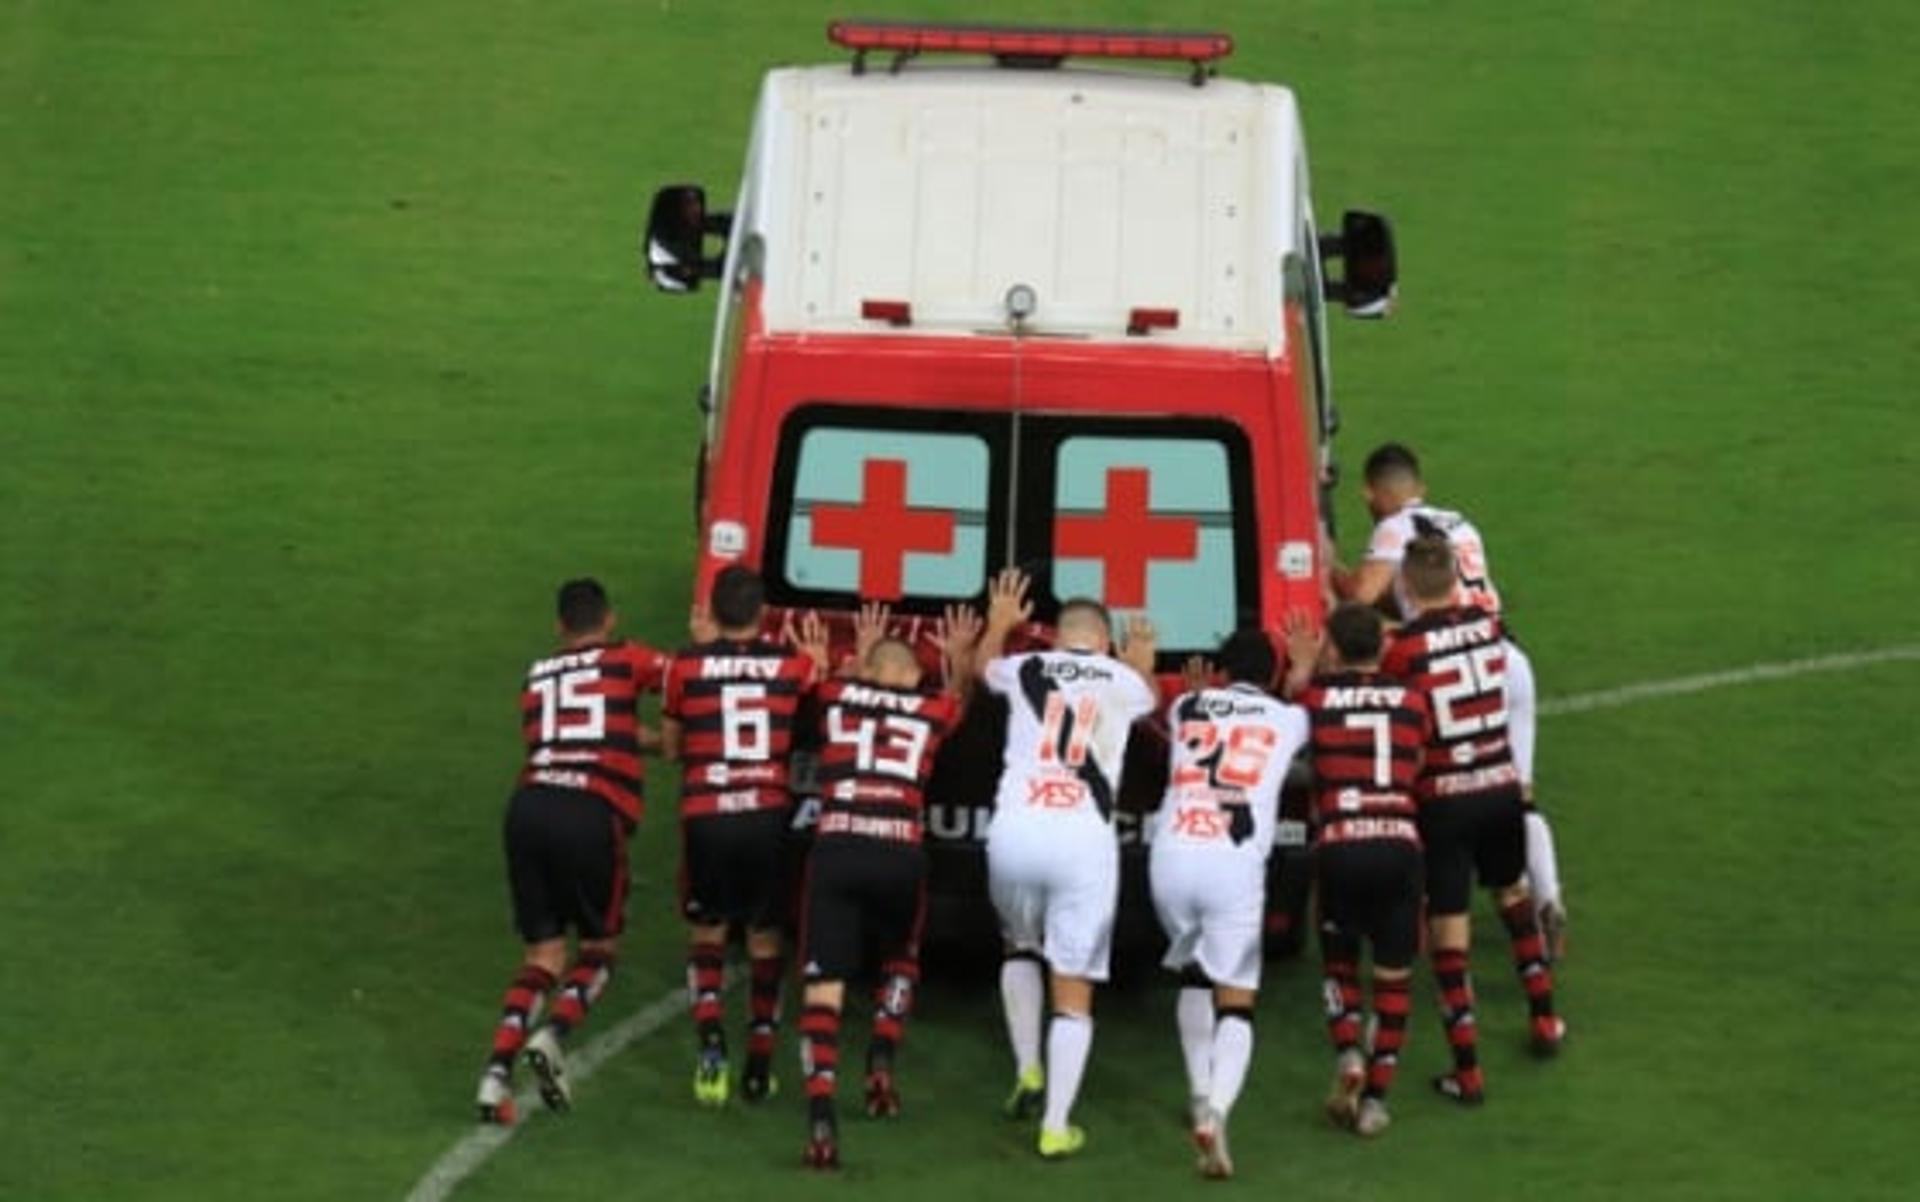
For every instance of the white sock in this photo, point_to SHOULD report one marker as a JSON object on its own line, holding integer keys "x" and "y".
{"x": 1068, "y": 1041}
{"x": 1543, "y": 866}
{"x": 1232, "y": 1054}
{"x": 1023, "y": 988}
{"x": 1194, "y": 1014}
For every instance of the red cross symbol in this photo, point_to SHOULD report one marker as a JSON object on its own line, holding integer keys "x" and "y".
{"x": 882, "y": 529}
{"x": 1125, "y": 537}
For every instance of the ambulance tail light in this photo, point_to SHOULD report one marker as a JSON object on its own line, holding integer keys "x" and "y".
{"x": 1139, "y": 321}
{"x": 1027, "y": 45}
{"x": 893, "y": 312}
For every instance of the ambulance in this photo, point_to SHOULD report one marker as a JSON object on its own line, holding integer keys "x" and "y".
{"x": 1053, "y": 298}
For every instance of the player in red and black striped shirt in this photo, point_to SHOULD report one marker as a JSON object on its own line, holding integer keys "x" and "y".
{"x": 1369, "y": 732}
{"x": 566, "y": 836}
{"x": 1472, "y": 816}
{"x": 865, "y": 896}
{"x": 729, "y": 719}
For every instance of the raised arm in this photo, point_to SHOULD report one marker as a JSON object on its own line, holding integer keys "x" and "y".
{"x": 813, "y": 642}
{"x": 1007, "y": 608}
{"x": 960, "y": 630}
{"x": 869, "y": 627}
{"x": 1303, "y": 653}
{"x": 1142, "y": 644}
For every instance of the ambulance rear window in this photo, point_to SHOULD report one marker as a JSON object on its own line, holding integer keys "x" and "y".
{"x": 883, "y": 504}
{"x": 1146, "y": 525}
{"x": 1149, "y": 515}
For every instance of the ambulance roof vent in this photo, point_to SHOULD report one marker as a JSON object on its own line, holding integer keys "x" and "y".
{"x": 1027, "y": 46}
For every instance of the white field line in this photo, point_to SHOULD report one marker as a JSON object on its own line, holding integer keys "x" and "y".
{"x": 473, "y": 1149}
{"x": 1630, "y": 694}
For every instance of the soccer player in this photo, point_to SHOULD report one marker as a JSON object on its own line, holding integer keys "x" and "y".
{"x": 1053, "y": 863}
{"x": 866, "y": 876}
{"x": 1230, "y": 749}
{"x": 1396, "y": 496}
{"x": 728, "y": 718}
{"x": 1369, "y": 732}
{"x": 1471, "y": 817}
{"x": 567, "y": 823}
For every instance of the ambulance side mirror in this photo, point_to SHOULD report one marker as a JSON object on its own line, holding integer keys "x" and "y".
{"x": 674, "y": 245}
{"x": 1370, "y": 274}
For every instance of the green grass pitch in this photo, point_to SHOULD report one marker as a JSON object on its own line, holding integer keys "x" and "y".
{"x": 323, "y": 355}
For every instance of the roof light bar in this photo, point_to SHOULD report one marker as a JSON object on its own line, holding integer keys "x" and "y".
{"x": 1028, "y": 46}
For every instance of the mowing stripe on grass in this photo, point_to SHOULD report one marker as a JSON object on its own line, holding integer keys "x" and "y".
{"x": 471, "y": 1151}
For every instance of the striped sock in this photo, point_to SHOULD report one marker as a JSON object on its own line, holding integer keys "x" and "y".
{"x": 820, "y": 1050}
{"x": 764, "y": 1006}
{"x": 1456, "y": 1015}
{"x": 519, "y": 1010}
{"x": 1530, "y": 956}
{"x": 892, "y": 1003}
{"x": 706, "y": 970}
{"x": 583, "y": 985}
{"x": 1392, "y": 1000}
{"x": 1340, "y": 968}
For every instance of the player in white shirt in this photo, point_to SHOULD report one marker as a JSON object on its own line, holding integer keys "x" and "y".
{"x": 1231, "y": 746}
{"x": 1053, "y": 862}
{"x": 1396, "y": 496}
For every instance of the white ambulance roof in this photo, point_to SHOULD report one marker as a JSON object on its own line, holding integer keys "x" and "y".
{"x": 1103, "y": 190}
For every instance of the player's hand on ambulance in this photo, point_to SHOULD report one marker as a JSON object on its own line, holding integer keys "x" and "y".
{"x": 869, "y": 627}
{"x": 1007, "y": 603}
{"x": 813, "y": 640}
{"x": 700, "y": 624}
{"x": 1304, "y": 641}
{"x": 1142, "y": 642}
{"x": 960, "y": 628}
{"x": 1196, "y": 673}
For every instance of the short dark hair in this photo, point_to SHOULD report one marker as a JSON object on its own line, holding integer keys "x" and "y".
{"x": 1085, "y": 605}
{"x": 1392, "y": 459}
{"x": 1430, "y": 568}
{"x": 738, "y": 597}
{"x": 582, "y": 605}
{"x": 1357, "y": 632}
{"x": 1247, "y": 655}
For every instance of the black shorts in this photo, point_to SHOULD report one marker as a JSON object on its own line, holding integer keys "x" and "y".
{"x": 733, "y": 869}
{"x": 566, "y": 864}
{"x": 1469, "y": 836}
{"x": 1371, "y": 889}
{"x": 864, "y": 904}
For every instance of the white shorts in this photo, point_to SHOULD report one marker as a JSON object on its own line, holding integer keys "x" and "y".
{"x": 1213, "y": 909}
{"x": 1522, "y": 713}
{"x": 1056, "y": 894}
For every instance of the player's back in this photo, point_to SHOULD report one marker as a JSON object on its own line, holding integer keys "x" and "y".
{"x": 1457, "y": 657}
{"x": 1069, "y": 715}
{"x": 579, "y": 717}
{"x": 1420, "y": 520}
{"x": 877, "y": 749}
{"x": 736, "y": 701}
{"x": 1369, "y": 736}
{"x": 1230, "y": 749}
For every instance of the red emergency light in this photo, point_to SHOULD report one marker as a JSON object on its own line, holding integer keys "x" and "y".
{"x": 1139, "y": 321}
{"x": 893, "y": 312}
{"x": 1027, "y": 45}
